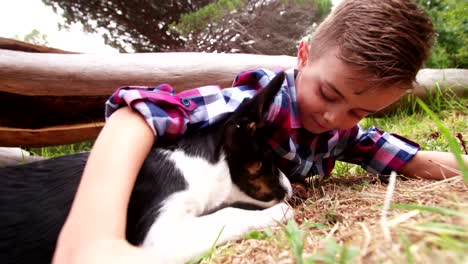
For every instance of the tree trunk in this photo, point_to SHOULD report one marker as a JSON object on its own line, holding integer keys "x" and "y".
{"x": 51, "y": 99}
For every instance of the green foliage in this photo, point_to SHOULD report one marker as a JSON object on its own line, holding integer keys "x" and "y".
{"x": 345, "y": 169}
{"x": 234, "y": 26}
{"x": 129, "y": 25}
{"x": 438, "y": 99}
{"x": 450, "y": 18}
{"x": 34, "y": 37}
{"x": 260, "y": 235}
{"x": 210, "y": 252}
{"x": 411, "y": 121}
{"x": 294, "y": 236}
{"x": 321, "y": 7}
{"x": 407, "y": 247}
{"x": 197, "y": 21}
{"x": 59, "y": 150}
{"x": 432, "y": 209}
{"x": 334, "y": 253}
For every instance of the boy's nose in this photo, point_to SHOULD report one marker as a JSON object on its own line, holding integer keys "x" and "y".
{"x": 333, "y": 118}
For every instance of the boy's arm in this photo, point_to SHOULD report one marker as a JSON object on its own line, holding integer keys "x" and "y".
{"x": 94, "y": 231}
{"x": 434, "y": 165}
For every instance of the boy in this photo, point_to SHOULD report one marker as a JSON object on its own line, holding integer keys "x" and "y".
{"x": 362, "y": 58}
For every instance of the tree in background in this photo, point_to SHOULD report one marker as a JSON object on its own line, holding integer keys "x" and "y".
{"x": 34, "y": 37}
{"x": 246, "y": 26}
{"x": 256, "y": 27}
{"x": 450, "y": 18}
{"x": 141, "y": 25}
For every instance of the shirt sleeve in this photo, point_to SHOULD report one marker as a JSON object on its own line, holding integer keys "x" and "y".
{"x": 168, "y": 114}
{"x": 377, "y": 151}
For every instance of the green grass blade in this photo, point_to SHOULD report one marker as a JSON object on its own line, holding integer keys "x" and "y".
{"x": 208, "y": 254}
{"x": 442, "y": 229}
{"x": 432, "y": 209}
{"x": 294, "y": 236}
{"x": 407, "y": 246}
{"x": 453, "y": 144}
{"x": 347, "y": 254}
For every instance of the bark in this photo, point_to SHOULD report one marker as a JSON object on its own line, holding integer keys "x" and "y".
{"x": 51, "y": 99}
{"x": 47, "y": 74}
{"x": 14, "y": 156}
{"x": 12, "y": 44}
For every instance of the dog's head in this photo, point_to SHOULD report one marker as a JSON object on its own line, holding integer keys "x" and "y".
{"x": 250, "y": 157}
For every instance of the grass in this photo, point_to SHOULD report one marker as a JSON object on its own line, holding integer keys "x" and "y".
{"x": 60, "y": 150}
{"x": 339, "y": 221}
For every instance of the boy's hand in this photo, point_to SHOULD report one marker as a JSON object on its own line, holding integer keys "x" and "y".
{"x": 105, "y": 250}
{"x": 434, "y": 165}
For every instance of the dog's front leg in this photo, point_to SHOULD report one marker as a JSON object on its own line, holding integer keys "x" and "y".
{"x": 194, "y": 236}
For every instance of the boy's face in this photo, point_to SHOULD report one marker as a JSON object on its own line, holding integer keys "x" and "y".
{"x": 331, "y": 94}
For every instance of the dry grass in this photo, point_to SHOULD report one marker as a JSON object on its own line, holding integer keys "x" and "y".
{"x": 348, "y": 210}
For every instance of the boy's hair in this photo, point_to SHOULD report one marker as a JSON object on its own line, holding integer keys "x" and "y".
{"x": 386, "y": 40}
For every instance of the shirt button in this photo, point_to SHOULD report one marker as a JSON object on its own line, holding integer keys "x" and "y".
{"x": 185, "y": 102}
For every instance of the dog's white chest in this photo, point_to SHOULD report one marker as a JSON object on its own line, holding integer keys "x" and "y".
{"x": 208, "y": 184}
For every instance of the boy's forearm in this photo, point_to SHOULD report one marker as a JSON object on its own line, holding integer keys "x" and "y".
{"x": 433, "y": 165}
{"x": 100, "y": 205}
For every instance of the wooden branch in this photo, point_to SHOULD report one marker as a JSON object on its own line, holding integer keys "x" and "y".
{"x": 91, "y": 74}
{"x": 51, "y": 99}
{"x": 56, "y": 135}
{"x": 41, "y": 87}
{"x": 455, "y": 80}
{"x": 429, "y": 81}
{"x": 36, "y": 112}
{"x": 13, "y": 44}
{"x": 14, "y": 156}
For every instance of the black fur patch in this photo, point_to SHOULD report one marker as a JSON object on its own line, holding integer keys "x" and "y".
{"x": 35, "y": 199}
{"x": 34, "y": 202}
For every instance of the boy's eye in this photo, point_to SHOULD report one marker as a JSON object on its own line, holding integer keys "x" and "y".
{"x": 358, "y": 115}
{"x": 327, "y": 95}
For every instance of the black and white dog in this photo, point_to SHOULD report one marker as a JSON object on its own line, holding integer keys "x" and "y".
{"x": 219, "y": 181}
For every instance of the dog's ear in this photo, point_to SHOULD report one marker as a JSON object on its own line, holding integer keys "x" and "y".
{"x": 241, "y": 131}
{"x": 263, "y": 100}
{"x": 255, "y": 109}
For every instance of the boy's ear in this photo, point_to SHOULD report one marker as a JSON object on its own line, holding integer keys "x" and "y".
{"x": 302, "y": 54}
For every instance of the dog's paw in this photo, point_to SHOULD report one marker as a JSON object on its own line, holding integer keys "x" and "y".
{"x": 281, "y": 212}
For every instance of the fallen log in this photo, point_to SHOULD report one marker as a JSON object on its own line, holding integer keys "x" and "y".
{"x": 14, "y": 156}
{"x": 449, "y": 82}
{"x": 13, "y": 44}
{"x": 50, "y": 136}
{"x": 38, "y": 74}
{"x": 50, "y": 98}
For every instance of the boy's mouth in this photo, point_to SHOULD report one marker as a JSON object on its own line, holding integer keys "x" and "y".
{"x": 319, "y": 124}
{"x": 315, "y": 126}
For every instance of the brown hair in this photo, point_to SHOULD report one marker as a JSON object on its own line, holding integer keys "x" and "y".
{"x": 387, "y": 40}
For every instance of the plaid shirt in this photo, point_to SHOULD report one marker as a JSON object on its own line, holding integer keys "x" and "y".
{"x": 300, "y": 153}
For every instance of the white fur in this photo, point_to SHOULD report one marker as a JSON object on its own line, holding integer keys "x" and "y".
{"x": 181, "y": 232}
{"x": 284, "y": 181}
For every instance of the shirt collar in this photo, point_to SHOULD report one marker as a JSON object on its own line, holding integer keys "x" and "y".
{"x": 294, "y": 111}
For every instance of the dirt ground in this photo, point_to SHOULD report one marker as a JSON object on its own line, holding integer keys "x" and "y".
{"x": 432, "y": 228}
